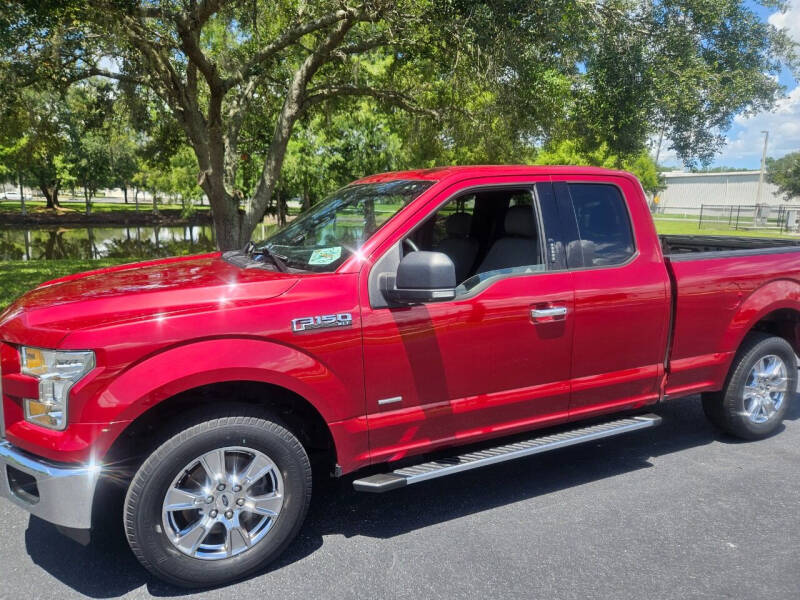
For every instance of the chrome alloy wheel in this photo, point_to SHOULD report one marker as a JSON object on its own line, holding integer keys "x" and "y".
{"x": 222, "y": 503}
{"x": 765, "y": 388}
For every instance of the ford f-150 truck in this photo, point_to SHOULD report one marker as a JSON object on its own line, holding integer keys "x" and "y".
{"x": 410, "y": 326}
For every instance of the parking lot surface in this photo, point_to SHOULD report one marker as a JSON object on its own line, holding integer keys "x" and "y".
{"x": 679, "y": 511}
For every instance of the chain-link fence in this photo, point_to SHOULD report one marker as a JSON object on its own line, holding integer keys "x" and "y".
{"x": 782, "y": 218}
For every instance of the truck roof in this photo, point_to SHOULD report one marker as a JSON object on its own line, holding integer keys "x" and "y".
{"x": 440, "y": 173}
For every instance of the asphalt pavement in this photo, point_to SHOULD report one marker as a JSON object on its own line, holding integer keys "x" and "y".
{"x": 680, "y": 511}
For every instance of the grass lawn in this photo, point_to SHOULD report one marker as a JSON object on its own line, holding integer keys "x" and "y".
{"x": 680, "y": 227}
{"x": 35, "y": 206}
{"x": 18, "y": 276}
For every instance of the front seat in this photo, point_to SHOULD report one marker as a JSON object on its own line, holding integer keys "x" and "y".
{"x": 520, "y": 244}
{"x": 458, "y": 245}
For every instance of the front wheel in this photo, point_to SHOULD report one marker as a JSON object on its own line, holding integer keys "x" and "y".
{"x": 759, "y": 390}
{"x": 218, "y": 500}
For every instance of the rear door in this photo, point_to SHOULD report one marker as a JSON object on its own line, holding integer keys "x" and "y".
{"x": 494, "y": 360}
{"x": 621, "y": 294}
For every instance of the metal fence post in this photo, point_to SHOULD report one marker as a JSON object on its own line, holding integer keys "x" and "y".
{"x": 700, "y": 222}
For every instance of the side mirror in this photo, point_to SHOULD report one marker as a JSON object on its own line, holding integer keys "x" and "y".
{"x": 423, "y": 277}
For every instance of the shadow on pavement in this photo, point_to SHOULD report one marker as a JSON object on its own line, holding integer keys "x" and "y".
{"x": 107, "y": 568}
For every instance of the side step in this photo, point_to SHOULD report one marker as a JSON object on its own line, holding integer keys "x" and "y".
{"x": 383, "y": 482}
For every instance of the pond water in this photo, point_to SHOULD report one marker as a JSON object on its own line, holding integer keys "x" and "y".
{"x": 135, "y": 243}
{"x": 104, "y": 242}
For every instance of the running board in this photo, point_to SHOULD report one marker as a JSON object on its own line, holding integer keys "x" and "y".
{"x": 383, "y": 482}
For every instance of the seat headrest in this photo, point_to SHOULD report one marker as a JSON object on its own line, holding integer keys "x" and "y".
{"x": 519, "y": 222}
{"x": 458, "y": 224}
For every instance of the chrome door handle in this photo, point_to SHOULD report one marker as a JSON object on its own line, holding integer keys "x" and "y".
{"x": 545, "y": 313}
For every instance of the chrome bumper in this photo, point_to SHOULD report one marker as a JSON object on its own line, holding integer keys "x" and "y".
{"x": 62, "y": 494}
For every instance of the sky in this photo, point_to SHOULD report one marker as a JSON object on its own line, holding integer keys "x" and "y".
{"x": 745, "y": 140}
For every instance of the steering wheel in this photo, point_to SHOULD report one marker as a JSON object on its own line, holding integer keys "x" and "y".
{"x": 411, "y": 244}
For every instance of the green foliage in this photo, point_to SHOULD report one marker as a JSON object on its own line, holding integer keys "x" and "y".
{"x": 570, "y": 152}
{"x": 174, "y": 177}
{"x": 785, "y": 173}
{"x": 257, "y": 102}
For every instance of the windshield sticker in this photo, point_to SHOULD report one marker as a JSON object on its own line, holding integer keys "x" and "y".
{"x": 325, "y": 256}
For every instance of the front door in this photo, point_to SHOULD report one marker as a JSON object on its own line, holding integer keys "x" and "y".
{"x": 494, "y": 360}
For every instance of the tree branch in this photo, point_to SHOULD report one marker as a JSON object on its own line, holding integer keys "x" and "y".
{"x": 360, "y": 47}
{"x": 206, "y": 9}
{"x": 391, "y": 96}
{"x": 284, "y": 40}
{"x": 290, "y": 111}
{"x": 97, "y": 72}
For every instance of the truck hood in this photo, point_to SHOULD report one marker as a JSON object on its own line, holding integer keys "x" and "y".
{"x": 45, "y": 315}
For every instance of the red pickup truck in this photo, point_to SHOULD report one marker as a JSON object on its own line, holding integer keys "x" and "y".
{"x": 411, "y": 326}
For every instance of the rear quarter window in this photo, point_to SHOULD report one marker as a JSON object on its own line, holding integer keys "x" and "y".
{"x": 604, "y": 226}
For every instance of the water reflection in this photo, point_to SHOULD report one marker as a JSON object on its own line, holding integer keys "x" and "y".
{"x": 104, "y": 242}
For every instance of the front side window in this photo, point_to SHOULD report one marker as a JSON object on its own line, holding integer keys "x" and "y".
{"x": 324, "y": 237}
{"x": 487, "y": 234}
{"x": 604, "y": 227}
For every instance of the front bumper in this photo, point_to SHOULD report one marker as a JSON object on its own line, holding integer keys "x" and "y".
{"x": 60, "y": 494}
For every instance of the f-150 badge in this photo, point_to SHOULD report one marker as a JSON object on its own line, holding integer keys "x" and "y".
{"x": 321, "y": 321}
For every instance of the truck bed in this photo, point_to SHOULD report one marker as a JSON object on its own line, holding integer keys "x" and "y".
{"x": 719, "y": 285}
{"x": 687, "y": 247}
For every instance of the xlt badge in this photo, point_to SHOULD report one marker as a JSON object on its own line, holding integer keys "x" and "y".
{"x": 320, "y": 321}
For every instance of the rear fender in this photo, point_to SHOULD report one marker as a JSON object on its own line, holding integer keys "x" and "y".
{"x": 776, "y": 295}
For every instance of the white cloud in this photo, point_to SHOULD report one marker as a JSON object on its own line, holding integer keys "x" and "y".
{"x": 783, "y": 124}
{"x": 789, "y": 20}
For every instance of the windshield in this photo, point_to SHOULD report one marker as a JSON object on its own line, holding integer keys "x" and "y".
{"x": 322, "y": 238}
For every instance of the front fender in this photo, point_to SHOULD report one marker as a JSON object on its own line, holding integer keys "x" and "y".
{"x": 185, "y": 367}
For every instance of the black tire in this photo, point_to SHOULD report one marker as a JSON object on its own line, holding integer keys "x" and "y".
{"x": 145, "y": 497}
{"x": 726, "y": 409}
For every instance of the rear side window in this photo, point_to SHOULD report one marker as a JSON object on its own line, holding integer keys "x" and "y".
{"x": 604, "y": 226}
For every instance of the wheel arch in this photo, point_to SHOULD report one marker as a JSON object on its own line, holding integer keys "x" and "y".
{"x": 773, "y": 308}
{"x": 256, "y": 372}
{"x": 298, "y": 414}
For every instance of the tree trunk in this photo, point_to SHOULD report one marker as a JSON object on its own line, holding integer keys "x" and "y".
{"x": 21, "y": 194}
{"x": 155, "y": 203}
{"x": 88, "y": 200}
{"x": 51, "y": 194}
{"x": 227, "y": 221}
{"x": 281, "y": 209}
{"x": 125, "y": 193}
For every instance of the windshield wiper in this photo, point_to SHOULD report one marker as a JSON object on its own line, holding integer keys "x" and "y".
{"x": 250, "y": 251}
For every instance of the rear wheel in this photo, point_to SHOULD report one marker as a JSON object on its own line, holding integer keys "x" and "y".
{"x": 218, "y": 500}
{"x": 759, "y": 390}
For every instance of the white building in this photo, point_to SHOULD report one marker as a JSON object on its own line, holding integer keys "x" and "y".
{"x": 687, "y": 191}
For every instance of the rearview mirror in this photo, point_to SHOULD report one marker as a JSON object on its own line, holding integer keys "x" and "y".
{"x": 423, "y": 277}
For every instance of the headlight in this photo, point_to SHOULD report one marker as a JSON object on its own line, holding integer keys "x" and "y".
{"x": 57, "y": 371}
